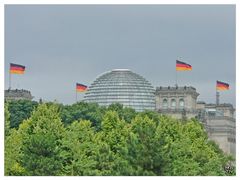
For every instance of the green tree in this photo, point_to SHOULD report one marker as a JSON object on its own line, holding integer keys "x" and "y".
{"x": 42, "y": 142}
{"x": 20, "y": 110}
{"x": 7, "y": 120}
{"x": 82, "y": 110}
{"x": 175, "y": 149}
{"x": 186, "y": 150}
{"x": 109, "y": 141}
{"x": 79, "y": 149}
{"x": 143, "y": 148}
{"x": 209, "y": 157}
{"x": 12, "y": 154}
{"x": 126, "y": 113}
{"x": 112, "y": 143}
{"x": 13, "y": 150}
{"x": 156, "y": 117}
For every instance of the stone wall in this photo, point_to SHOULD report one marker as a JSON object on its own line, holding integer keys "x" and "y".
{"x": 219, "y": 120}
{"x": 17, "y": 94}
{"x": 222, "y": 129}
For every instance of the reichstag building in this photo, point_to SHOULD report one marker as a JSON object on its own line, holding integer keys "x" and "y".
{"x": 132, "y": 90}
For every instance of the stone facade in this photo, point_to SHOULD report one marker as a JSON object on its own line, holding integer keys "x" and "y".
{"x": 179, "y": 102}
{"x": 218, "y": 120}
{"x": 221, "y": 126}
{"x": 17, "y": 94}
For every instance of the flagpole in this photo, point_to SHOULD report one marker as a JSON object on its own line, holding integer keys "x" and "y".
{"x": 176, "y": 73}
{"x": 176, "y": 77}
{"x": 217, "y": 96}
{"x": 9, "y": 80}
{"x": 76, "y": 95}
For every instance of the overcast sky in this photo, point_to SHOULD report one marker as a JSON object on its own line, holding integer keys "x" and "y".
{"x": 64, "y": 44}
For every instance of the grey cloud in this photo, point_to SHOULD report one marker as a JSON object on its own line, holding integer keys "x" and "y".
{"x": 62, "y": 45}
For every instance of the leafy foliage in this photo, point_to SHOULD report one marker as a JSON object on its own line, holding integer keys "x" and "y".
{"x": 113, "y": 145}
{"x": 7, "y": 120}
{"x": 79, "y": 149}
{"x": 125, "y": 113}
{"x": 85, "y": 139}
{"x": 82, "y": 110}
{"x": 12, "y": 154}
{"x": 41, "y": 146}
{"x": 20, "y": 110}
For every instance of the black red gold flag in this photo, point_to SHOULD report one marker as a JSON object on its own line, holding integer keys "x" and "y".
{"x": 17, "y": 69}
{"x": 182, "y": 66}
{"x": 81, "y": 87}
{"x": 222, "y": 85}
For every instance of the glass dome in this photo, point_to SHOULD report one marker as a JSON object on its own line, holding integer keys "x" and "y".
{"x": 124, "y": 87}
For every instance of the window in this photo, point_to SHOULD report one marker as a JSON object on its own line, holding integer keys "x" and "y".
{"x": 181, "y": 103}
{"x": 173, "y": 103}
{"x": 165, "y": 104}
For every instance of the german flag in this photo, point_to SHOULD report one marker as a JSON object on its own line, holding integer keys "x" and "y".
{"x": 222, "y": 85}
{"x": 16, "y": 69}
{"x": 81, "y": 87}
{"x": 182, "y": 66}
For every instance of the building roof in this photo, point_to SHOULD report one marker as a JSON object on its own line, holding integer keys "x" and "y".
{"x": 122, "y": 86}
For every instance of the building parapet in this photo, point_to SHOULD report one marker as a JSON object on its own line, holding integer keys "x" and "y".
{"x": 176, "y": 90}
{"x": 201, "y": 102}
{"x": 221, "y": 118}
{"x": 169, "y": 88}
{"x": 220, "y": 105}
{"x": 17, "y": 94}
{"x": 177, "y": 110}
